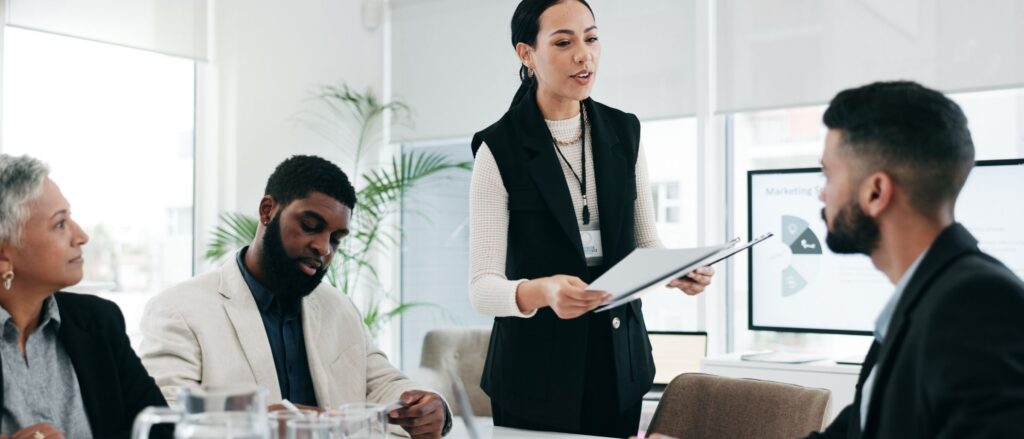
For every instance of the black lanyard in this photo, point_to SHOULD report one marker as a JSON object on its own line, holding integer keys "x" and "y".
{"x": 583, "y": 153}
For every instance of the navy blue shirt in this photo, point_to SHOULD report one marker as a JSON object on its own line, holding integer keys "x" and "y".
{"x": 283, "y": 323}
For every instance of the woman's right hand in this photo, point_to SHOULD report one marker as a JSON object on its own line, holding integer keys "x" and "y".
{"x": 566, "y": 295}
{"x": 47, "y": 431}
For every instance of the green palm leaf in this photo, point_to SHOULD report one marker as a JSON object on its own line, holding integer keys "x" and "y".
{"x": 235, "y": 231}
{"x": 386, "y": 185}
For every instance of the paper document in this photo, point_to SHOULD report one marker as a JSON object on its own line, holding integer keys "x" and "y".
{"x": 651, "y": 269}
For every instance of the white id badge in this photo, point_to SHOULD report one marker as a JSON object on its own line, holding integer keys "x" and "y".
{"x": 592, "y": 244}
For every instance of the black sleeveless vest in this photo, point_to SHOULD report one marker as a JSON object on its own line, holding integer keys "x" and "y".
{"x": 536, "y": 367}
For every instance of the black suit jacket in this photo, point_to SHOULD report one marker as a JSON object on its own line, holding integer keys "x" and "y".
{"x": 536, "y": 367}
{"x": 952, "y": 364}
{"x": 114, "y": 385}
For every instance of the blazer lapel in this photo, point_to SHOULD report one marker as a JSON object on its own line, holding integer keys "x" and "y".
{"x": 869, "y": 363}
{"x": 1, "y": 392}
{"x": 312, "y": 333}
{"x": 545, "y": 169}
{"x": 87, "y": 353}
{"x": 952, "y": 243}
{"x": 611, "y": 169}
{"x": 241, "y": 309}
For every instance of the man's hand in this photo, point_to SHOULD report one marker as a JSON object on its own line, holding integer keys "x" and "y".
{"x": 694, "y": 282}
{"x": 423, "y": 416}
{"x": 37, "y": 431}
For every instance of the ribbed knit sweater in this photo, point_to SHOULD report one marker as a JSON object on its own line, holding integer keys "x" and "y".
{"x": 490, "y": 291}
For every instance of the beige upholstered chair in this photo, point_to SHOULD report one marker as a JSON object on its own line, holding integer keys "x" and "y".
{"x": 464, "y": 351}
{"x": 706, "y": 406}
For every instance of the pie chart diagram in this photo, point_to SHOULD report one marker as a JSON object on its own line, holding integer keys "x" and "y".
{"x": 805, "y": 248}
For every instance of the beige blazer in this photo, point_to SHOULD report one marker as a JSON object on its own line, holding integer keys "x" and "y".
{"x": 208, "y": 331}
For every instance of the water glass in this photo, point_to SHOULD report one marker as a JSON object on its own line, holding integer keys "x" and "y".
{"x": 277, "y": 421}
{"x": 313, "y": 428}
{"x": 235, "y": 412}
{"x": 359, "y": 420}
{"x": 220, "y": 425}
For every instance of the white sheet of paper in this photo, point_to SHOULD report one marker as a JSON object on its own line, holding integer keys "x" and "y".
{"x": 648, "y": 269}
{"x": 651, "y": 269}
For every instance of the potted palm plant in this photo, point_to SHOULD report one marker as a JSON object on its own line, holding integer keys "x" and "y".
{"x": 354, "y": 122}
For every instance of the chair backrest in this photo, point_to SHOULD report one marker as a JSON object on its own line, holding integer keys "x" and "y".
{"x": 462, "y": 350}
{"x": 706, "y": 406}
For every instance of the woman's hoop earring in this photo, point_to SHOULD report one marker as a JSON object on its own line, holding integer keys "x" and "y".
{"x": 529, "y": 72}
{"x": 8, "y": 278}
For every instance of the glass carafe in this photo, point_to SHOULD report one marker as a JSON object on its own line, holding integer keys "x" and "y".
{"x": 236, "y": 412}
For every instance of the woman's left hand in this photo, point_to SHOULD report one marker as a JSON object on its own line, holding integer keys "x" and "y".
{"x": 694, "y": 282}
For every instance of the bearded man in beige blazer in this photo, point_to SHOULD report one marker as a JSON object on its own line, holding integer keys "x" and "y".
{"x": 266, "y": 318}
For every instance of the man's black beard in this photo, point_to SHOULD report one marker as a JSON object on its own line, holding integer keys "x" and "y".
{"x": 852, "y": 231}
{"x": 287, "y": 281}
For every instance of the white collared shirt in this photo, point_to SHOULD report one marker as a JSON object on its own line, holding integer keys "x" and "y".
{"x": 881, "y": 328}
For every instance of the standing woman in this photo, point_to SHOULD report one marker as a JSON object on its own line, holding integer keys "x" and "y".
{"x": 559, "y": 193}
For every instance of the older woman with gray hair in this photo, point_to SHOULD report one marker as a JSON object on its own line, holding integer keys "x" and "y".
{"x": 68, "y": 369}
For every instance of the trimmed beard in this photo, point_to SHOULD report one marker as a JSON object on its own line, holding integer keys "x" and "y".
{"x": 852, "y": 231}
{"x": 287, "y": 281}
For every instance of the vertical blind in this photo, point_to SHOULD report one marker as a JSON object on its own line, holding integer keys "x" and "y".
{"x": 784, "y": 53}
{"x": 172, "y": 27}
{"x": 453, "y": 61}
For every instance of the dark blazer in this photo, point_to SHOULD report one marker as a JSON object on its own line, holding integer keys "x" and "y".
{"x": 114, "y": 385}
{"x": 952, "y": 364}
{"x": 536, "y": 367}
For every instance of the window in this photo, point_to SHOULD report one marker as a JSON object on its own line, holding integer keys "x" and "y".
{"x": 996, "y": 119}
{"x": 792, "y": 138}
{"x": 435, "y": 252}
{"x": 666, "y": 201}
{"x": 116, "y": 127}
{"x": 671, "y": 149}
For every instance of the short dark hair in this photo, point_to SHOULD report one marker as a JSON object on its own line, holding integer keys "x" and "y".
{"x": 299, "y": 175}
{"x": 915, "y": 134}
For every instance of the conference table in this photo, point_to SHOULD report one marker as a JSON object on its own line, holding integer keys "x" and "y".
{"x": 485, "y": 427}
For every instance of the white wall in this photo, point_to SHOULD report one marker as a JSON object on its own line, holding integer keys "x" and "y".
{"x": 266, "y": 57}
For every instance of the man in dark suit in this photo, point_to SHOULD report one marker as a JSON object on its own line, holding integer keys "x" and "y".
{"x": 948, "y": 355}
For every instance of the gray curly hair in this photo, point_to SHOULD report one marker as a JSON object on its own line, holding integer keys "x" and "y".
{"x": 21, "y": 181}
